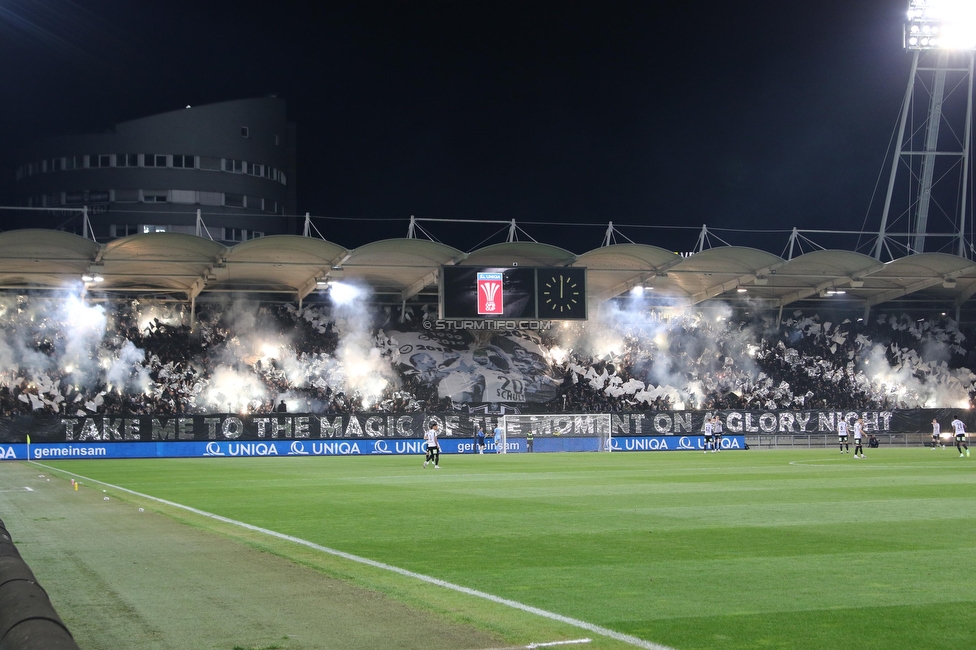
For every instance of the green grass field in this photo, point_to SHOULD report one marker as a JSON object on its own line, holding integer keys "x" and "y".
{"x": 755, "y": 549}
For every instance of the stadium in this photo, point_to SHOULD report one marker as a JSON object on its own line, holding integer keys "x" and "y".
{"x": 264, "y": 406}
{"x": 241, "y": 438}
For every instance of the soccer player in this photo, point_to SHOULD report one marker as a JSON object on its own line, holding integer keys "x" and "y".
{"x": 709, "y": 437}
{"x": 480, "y": 436}
{"x": 858, "y": 434}
{"x": 960, "y": 430}
{"x": 717, "y": 431}
{"x": 433, "y": 448}
{"x": 498, "y": 440}
{"x": 936, "y": 434}
{"x": 845, "y": 447}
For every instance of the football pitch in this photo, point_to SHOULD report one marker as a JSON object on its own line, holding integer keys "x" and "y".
{"x": 750, "y": 549}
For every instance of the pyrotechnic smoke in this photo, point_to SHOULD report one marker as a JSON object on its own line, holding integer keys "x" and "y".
{"x": 679, "y": 351}
{"x": 67, "y": 354}
{"x": 127, "y": 371}
{"x": 367, "y": 372}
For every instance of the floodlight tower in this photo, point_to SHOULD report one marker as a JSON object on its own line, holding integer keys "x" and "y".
{"x": 930, "y": 168}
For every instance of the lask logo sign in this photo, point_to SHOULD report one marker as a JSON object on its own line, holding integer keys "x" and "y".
{"x": 490, "y": 297}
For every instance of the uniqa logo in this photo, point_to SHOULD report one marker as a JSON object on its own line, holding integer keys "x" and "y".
{"x": 645, "y": 444}
{"x": 297, "y": 449}
{"x": 213, "y": 449}
{"x": 251, "y": 449}
{"x": 335, "y": 448}
{"x": 380, "y": 447}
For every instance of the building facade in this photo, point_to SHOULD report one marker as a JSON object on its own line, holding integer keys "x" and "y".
{"x": 226, "y": 170}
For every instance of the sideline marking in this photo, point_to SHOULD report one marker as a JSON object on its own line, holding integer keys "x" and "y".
{"x": 596, "y": 629}
{"x": 555, "y": 643}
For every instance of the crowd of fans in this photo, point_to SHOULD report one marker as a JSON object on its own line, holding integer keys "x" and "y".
{"x": 697, "y": 361}
{"x": 139, "y": 357}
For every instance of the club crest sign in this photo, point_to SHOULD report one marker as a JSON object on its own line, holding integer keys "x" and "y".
{"x": 490, "y": 297}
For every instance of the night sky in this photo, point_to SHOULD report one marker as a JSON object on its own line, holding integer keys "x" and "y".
{"x": 759, "y": 115}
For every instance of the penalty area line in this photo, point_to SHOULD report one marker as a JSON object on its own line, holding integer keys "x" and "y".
{"x": 529, "y": 609}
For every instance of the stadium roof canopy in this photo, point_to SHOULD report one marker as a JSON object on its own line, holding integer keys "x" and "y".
{"x": 185, "y": 267}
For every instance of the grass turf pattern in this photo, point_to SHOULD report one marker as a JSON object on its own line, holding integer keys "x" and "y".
{"x": 757, "y": 549}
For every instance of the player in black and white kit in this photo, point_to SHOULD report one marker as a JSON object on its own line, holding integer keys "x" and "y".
{"x": 433, "y": 448}
{"x": 709, "y": 437}
{"x": 717, "y": 431}
{"x": 858, "y": 434}
{"x": 845, "y": 447}
{"x": 960, "y": 430}
{"x": 937, "y": 434}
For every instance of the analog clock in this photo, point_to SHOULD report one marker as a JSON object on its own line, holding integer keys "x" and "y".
{"x": 562, "y": 293}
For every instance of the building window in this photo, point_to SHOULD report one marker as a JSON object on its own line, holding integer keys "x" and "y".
{"x": 252, "y": 234}
{"x": 245, "y": 132}
{"x": 234, "y": 200}
{"x": 52, "y": 199}
{"x": 123, "y": 229}
{"x": 257, "y": 170}
{"x": 186, "y": 162}
{"x": 149, "y": 228}
{"x": 73, "y": 162}
{"x": 126, "y": 160}
{"x": 74, "y": 198}
{"x": 277, "y": 141}
{"x": 153, "y": 160}
{"x": 98, "y": 196}
{"x": 234, "y": 166}
{"x": 282, "y": 179}
{"x": 154, "y": 196}
{"x": 102, "y": 160}
{"x": 235, "y": 234}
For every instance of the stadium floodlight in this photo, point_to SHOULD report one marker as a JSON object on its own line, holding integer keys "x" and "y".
{"x": 941, "y": 25}
{"x": 928, "y": 159}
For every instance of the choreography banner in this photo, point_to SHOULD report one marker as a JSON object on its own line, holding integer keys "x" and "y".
{"x": 308, "y": 426}
{"x": 508, "y": 367}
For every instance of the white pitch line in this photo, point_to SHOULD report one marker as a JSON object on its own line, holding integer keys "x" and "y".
{"x": 596, "y": 629}
{"x": 555, "y": 643}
